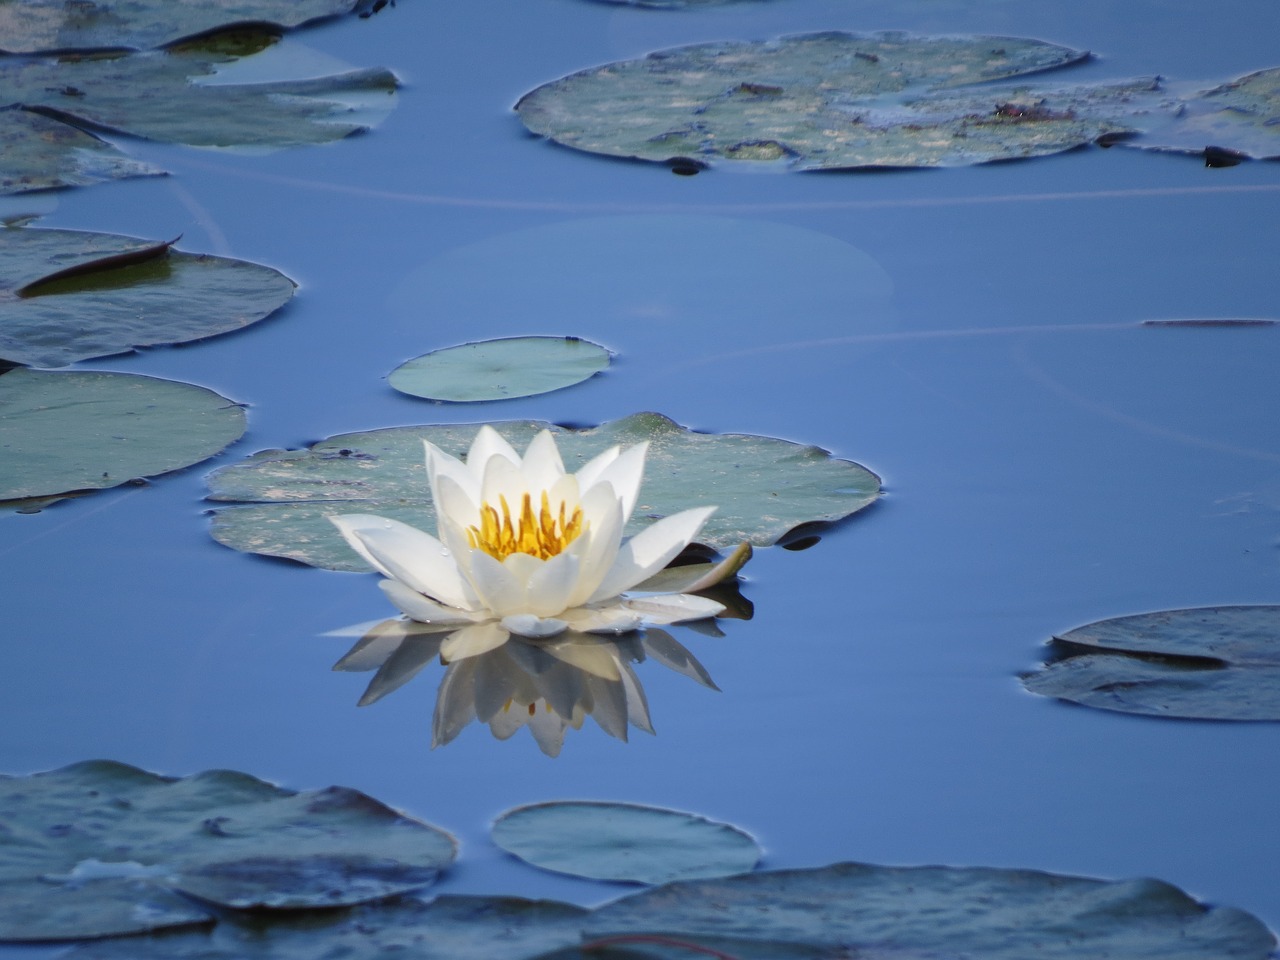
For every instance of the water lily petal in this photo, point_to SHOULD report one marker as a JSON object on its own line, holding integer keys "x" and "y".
{"x": 533, "y": 627}
{"x": 542, "y": 465}
{"x": 602, "y": 540}
{"x": 503, "y": 480}
{"x": 613, "y": 619}
{"x": 673, "y": 608}
{"x": 624, "y": 475}
{"x": 590, "y": 471}
{"x": 425, "y": 610}
{"x": 552, "y": 583}
{"x": 409, "y": 555}
{"x": 695, "y": 576}
{"x": 472, "y": 641}
{"x": 496, "y": 583}
{"x": 440, "y": 464}
{"x": 650, "y": 550}
{"x": 489, "y": 443}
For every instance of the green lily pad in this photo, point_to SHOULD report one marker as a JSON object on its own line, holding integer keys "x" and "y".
{"x": 43, "y": 26}
{"x": 763, "y": 487}
{"x": 500, "y": 369}
{"x": 1242, "y": 117}
{"x": 1207, "y": 663}
{"x": 76, "y": 430}
{"x": 623, "y": 841}
{"x": 67, "y": 295}
{"x": 40, "y": 153}
{"x": 821, "y": 101}
{"x": 678, "y": 4}
{"x": 448, "y": 928}
{"x": 961, "y": 912}
{"x": 98, "y": 848}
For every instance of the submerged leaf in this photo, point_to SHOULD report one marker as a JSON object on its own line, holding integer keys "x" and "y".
{"x": 1207, "y": 663}
{"x": 623, "y": 841}
{"x": 500, "y": 369}
{"x": 762, "y": 487}
{"x": 80, "y": 430}
{"x": 40, "y": 153}
{"x": 99, "y": 848}
{"x": 66, "y": 295}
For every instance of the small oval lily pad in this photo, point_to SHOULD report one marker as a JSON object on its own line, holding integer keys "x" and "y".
{"x": 500, "y": 369}
{"x": 1206, "y": 663}
{"x": 85, "y": 430}
{"x": 762, "y": 487}
{"x": 102, "y": 849}
{"x": 623, "y": 841}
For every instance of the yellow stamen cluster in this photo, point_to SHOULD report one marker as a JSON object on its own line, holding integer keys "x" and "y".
{"x": 542, "y": 536}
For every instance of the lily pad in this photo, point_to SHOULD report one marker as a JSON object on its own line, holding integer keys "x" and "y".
{"x": 448, "y": 928}
{"x": 99, "y": 848}
{"x": 822, "y": 101}
{"x": 77, "y": 430}
{"x": 44, "y": 26}
{"x": 1207, "y": 663}
{"x": 66, "y": 295}
{"x": 763, "y": 487}
{"x": 500, "y": 369}
{"x": 623, "y": 841}
{"x": 678, "y": 4}
{"x": 40, "y": 153}
{"x": 961, "y": 912}
{"x": 1242, "y": 117}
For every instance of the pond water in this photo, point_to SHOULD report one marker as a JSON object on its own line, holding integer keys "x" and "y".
{"x": 972, "y": 335}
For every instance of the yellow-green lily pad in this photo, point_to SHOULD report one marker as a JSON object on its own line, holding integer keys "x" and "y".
{"x": 762, "y": 487}
{"x": 500, "y": 369}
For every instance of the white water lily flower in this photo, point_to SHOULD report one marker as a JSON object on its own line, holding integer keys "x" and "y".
{"x": 526, "y": 548}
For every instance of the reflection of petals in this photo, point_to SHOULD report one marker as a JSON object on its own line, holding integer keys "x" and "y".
{"x": 472, "y": 641}
{"x": 403, "y": 665}
{"x": 596, "y": 658}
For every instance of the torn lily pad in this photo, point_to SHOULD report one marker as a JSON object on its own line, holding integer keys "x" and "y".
{"x": 102, "y": 849}
{"x": 1241, "y": 118}
{"x": 995, "y": 914}
{"x": 40, "y": 153}
{"x": 1205, "y": 663}
{"x": 624, "y": 842}
{"x": 46, "y": 26}
{"x": 87, "y": 430}
{"x": 66, "y": 295}
{"x": 819, "y": 101}
{"x": 762, "y": 487}
{"x": 500, "y": 369}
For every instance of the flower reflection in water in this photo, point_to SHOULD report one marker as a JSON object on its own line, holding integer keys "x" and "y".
{"x": 546, "y": 685}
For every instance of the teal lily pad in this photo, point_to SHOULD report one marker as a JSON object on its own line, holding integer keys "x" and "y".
{"x": 624, "y": 841}
{"x": 72, "y": 430}
{"x": 100, "y": 849}
{"x": 968, "y": 912}
{"x": 1206, "y": 663}
{"x": 43, "y": 26}
{"x": 448, "y": 928}
{"x": 763, "y": 487}
{"x": 500, "y": 369}
{"x": 679, "y": 4}
{"x": 40, "y": 153}
{"x": 66, "y": 295}
{"x": 1241, "y": 117}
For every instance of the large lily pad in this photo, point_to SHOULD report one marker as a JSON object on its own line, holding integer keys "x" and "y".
{"x": 448, "y": 928}
{"x": 88, "y": 850}
{"x": 824, "y": 101}
{"x": 1242, "y": 117}
{"x": 624, "y": 841}
{"x": 1209, "y": 663}
{"x": 968, "y": 913}
{"x": 67, "y": 295}
{"x": 77, "y": 430}
{"x": 763, "y": 487}
{"x": 42, "y": 26}
{"x": 500, "y": 369}
{"x": 40, "y": 153}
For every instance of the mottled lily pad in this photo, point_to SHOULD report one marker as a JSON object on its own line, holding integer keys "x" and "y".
{"x": 42, "y": 26}
{"x": 1242, "y": 117}
{"x": 66, "y": 295}
{"x": 821, "y": 101}
{"x": 1208, "y": 663}
{"x": 98, "y": 849}
{"x": 961, "y": 912}
{"x": 624, "y": 841}
{"x": 500, "y": 369}
{"x": 75, "y": 430}
{"x": 763, "y": 487}
{"x": 448, "y": 928}
{"x": 679, "y": 4}
{"x": 40, "y": 153}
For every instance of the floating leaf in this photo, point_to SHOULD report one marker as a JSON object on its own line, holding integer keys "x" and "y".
{"x": 42, "y": 26}
{"x": 623, "y": 841}
{"x": 763, "y": 487}
{"x": 957, "y": 912}
{"x": 500, "y": 369}
{"x": 97, "y": 849}
{"x": 823, "y": 101}
{"x": 1208, "y": 663}
{"x": 678, "y": 4}
{"x": 67, "y": 295}
{"x": 1241, "y": 117}
{"x": 39, "y": 153}
{"x": 448, "y": 928}
{"x": 76, "y": 430}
